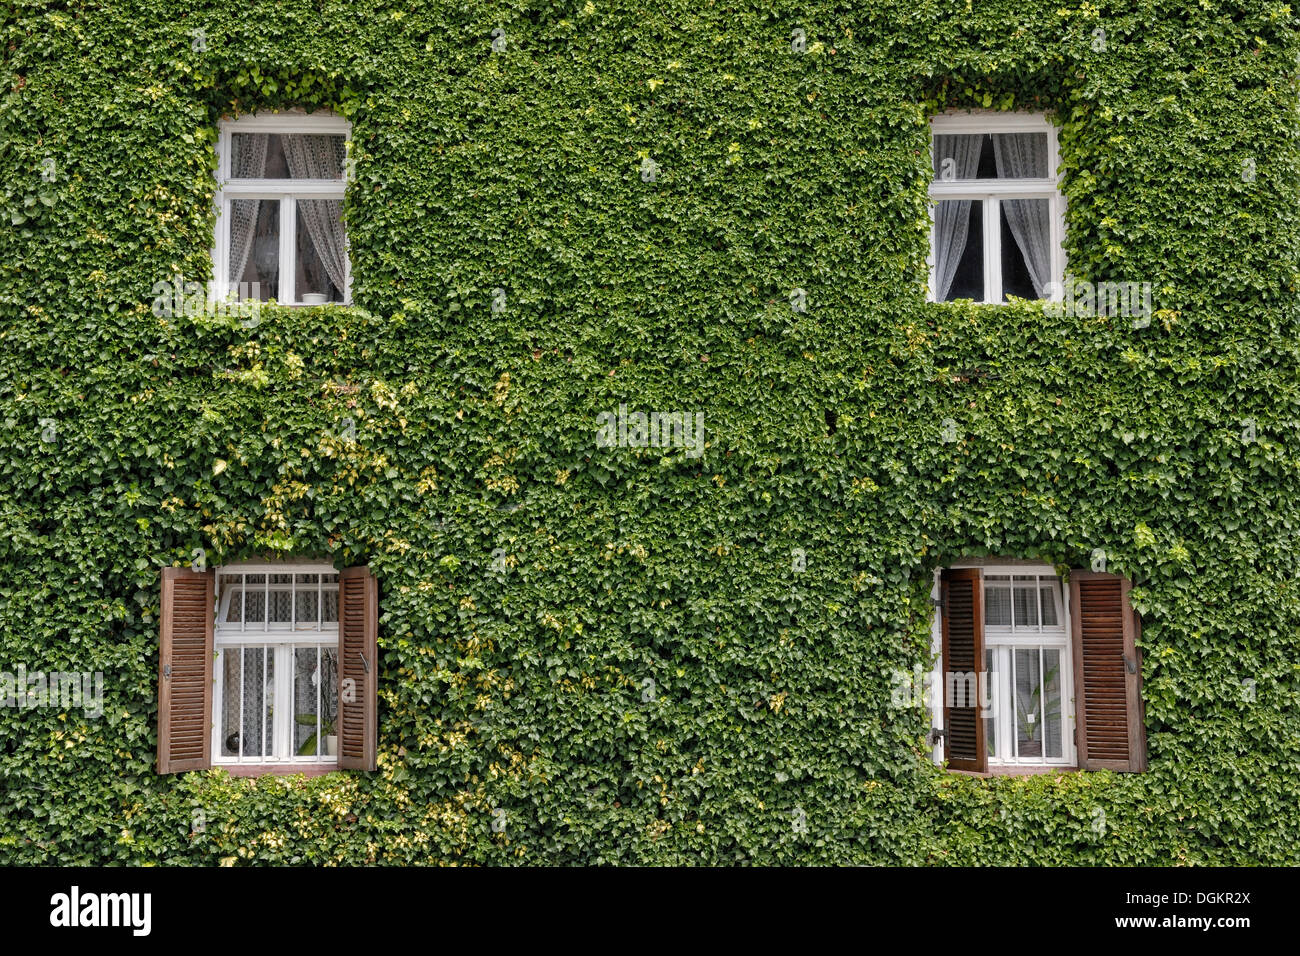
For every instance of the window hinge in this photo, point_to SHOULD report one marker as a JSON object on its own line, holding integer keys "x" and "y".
{"x": 936, "y": 734}
{"x": 167, "y": 671}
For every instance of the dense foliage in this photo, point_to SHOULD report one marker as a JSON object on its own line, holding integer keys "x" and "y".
{"x": 640, "y": 675}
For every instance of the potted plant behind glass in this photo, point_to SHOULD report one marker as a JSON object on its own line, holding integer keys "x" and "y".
{"x": 311, "y": 747}
{"x": 1028, "y": 724}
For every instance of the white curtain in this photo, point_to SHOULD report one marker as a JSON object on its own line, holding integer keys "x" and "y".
{"x": 247, "y": 161}
{"x": 952, "y": 217}
{"x": 321, "y": 157}
{"x": 1024, "y": 156}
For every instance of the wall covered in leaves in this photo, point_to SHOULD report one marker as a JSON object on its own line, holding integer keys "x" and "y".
{"x": 644, "y": 677}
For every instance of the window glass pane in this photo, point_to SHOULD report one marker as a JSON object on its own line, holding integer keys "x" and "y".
{"x": 1052, "y": 724}
{"x": 1026, "y": 226}
{"x": 997, "y": 604}
{"x": 1018, "y": 155}
{"x": 1049, "y": 592}
{"x": 330, "y": 602}
{"x": 268, "y": 697}
{"x": 232, "y": 686}
{"x": 315, "y": 701}
{"x": 990, "y": 680}
{"x": 254, "y": 708}
{"x": 286, "y": 156}
{"x": 306, "y": 702}
{"x": 962, "y": 157}
{"x": 248, "y": 695}
{"x": 1028, "y": 693}
{"x": 307, "y": 609}
{"x": 255, "y": 606}
{"x": 254, "y": 247}
{"x": 959, "y": 250}
{"x": 1025, "y": 593}
{"x": 322, "y": 252}
{"x": 329, "y": 697}
{"x": 235, "y": 606}
{"x": 280, "y": 605}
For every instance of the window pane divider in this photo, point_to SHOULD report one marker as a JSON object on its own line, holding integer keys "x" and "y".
{"x": 288, "y": 247}
{"x": 1004, "y": 188}
{"x": 992, "y": 224}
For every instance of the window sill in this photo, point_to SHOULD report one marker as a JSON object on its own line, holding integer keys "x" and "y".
{"x": 276, "y": 769}
{"x": 1016, "y": 771}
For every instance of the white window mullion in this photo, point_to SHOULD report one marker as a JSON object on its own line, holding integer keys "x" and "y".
{"x": 320, "y": 698}
{"x": 1008, "y": 710}
{"x": 1042, "y": 703}
{"x": 288, "y": 227}
{"x": 1038, "y": 593}
{"x": 285, "y": 716}
{"x": 992, "y": 250}
{"x": 1015, "y": 709}
{"x": 288, "y": 244}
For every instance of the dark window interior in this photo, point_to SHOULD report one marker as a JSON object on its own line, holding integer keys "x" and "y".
{"x": 1015, "y": 274}
{"x": 969, "y": 281}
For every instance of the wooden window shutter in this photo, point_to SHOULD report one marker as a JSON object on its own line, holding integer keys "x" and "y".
{"x": 185, "y": 670}
{"x": 963, "y": 669}
{"x": 358, "y": 668}
{"x": 1107, "y": 673}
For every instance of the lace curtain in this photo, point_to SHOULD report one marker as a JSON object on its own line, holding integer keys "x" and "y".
{"x": 1024, "y": 156}
{"x": 247, "y": 161}
{"x": 320, "y": 157}
{"x": 952, "y": 217}
{"x": 250, "y": 691}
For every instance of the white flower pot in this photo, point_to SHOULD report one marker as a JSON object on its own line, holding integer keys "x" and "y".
{"x": 331, "y": 745}
{"x": 314, "y": 298}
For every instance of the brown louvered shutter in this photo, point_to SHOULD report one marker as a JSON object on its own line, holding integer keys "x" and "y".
{"x": 358, "y": 668}
{"x": 963, "y": 665}
{"x": 1107, "y": 673}
{"x": 185, "y": 670}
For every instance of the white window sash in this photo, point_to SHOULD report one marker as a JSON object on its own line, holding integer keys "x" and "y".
{"x": 990, "y": 191}
{"x": 286, "y": 191}
{"x": 282, "y": 643}
{"x": 282, "y": 716}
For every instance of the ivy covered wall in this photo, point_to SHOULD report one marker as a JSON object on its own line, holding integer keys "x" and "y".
{"x": 644, "y": 677}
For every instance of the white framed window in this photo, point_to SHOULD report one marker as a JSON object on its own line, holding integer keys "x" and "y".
{"x": 276, "y": 638}
{"x": 1026, "y": 689}
{"x": 1028, "y": 663}
{"x": 997, "y": 216}
{"x": 280, "y": 231}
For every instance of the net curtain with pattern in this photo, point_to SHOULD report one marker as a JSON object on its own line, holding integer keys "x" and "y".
{"x": 1024, "y": 156}
{"x": 961, "y": 155}
{"x": 308, "y": 157}
{"x": 1016, "y": 156}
